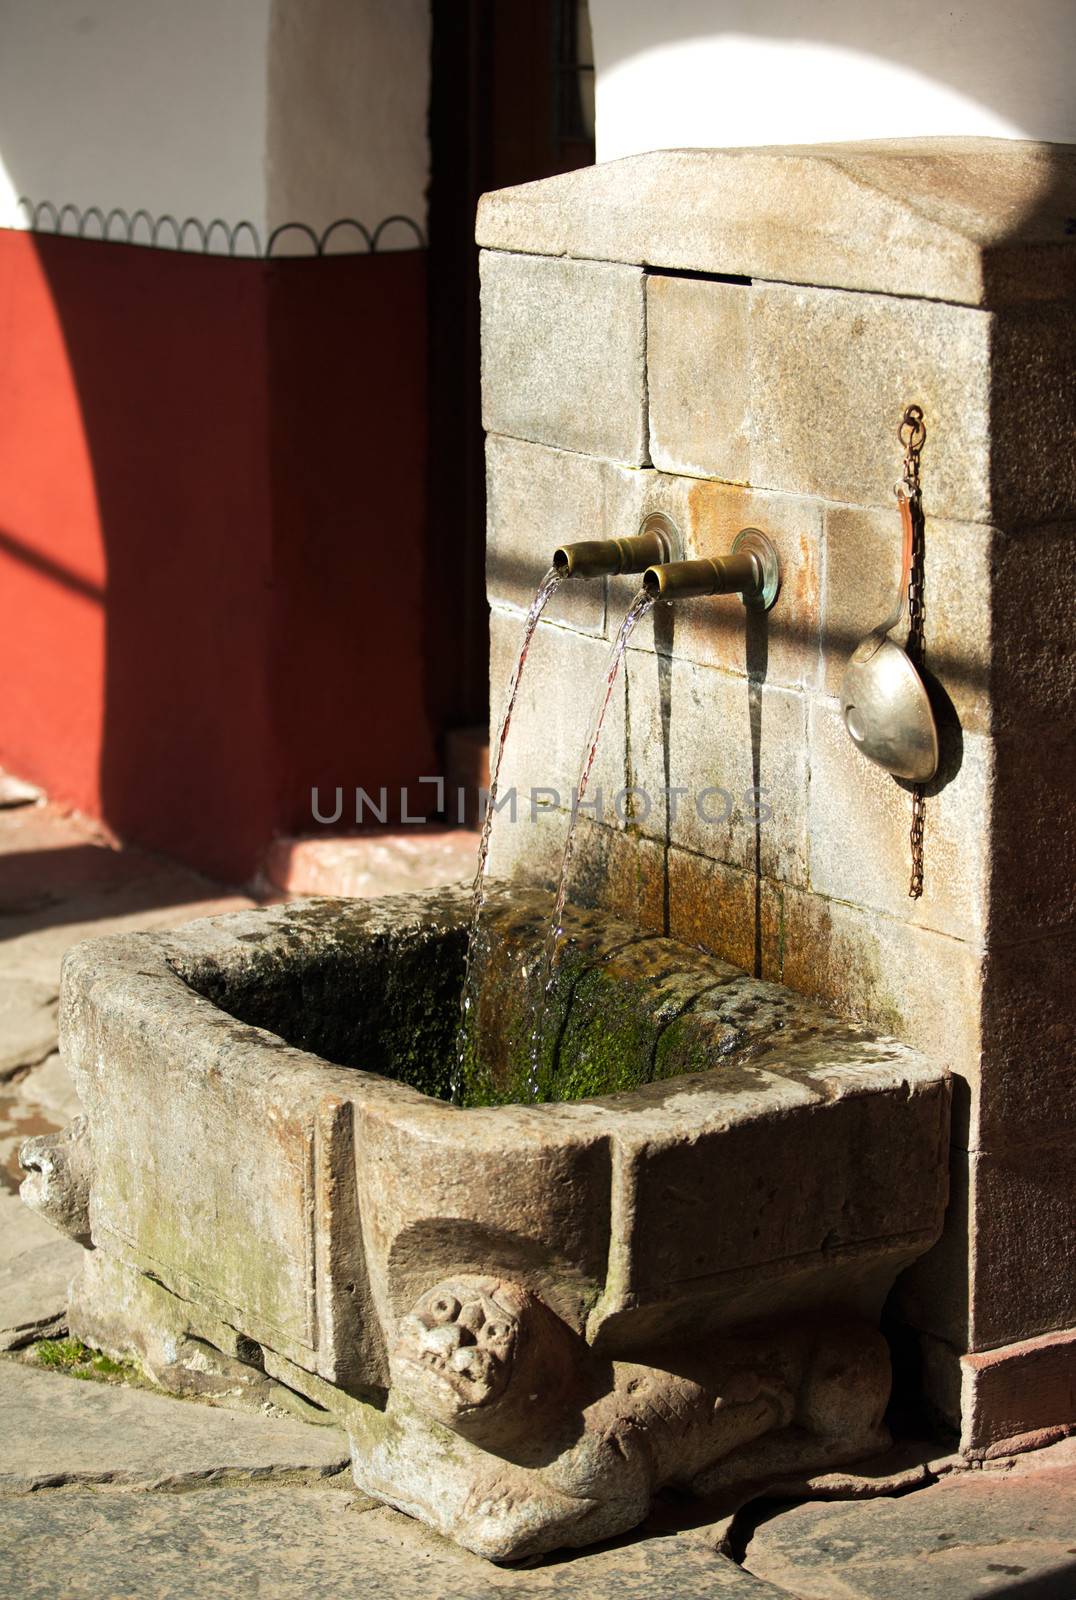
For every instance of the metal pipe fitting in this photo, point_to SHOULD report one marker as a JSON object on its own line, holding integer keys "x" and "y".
{"x": 657, "y": 540}
{"x": 750, "y": 570}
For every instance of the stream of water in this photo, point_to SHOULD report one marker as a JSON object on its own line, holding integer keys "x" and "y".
{"x": 553, "y": 942}
{"x": 472, "y": 971}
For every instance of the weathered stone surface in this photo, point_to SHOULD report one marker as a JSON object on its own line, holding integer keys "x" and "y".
{"x": 611, "y": 870}
{"x": 537, "y": 499}
{"x": 294, "y": 1543}
{"x": 767, "y": 1120}
{"x": 1033, "y": 1458}
{"x": 1023, "y": 1268}
{"x": 920, "y": 217}
{"x": 1033, "y": 407}
{"x": 789, "y": 381}
{"x": 858, "y": 826}
{"x": 20, "y": 1228}
{"x": 1003, "y": 1271}
{"x": 934, "y": 1295}
{"x": 63, "y": 1431}
{"x": 970, "y": 1535}
{"x": 385, "y": 861}
{"x": 1028, "y": 1091}
{"x": 717, "y": 739}
{"x": 51, "y": 855}
{"x": 1033, "y": 833}
{"x": 555, "y": 707}
{"x": 27, "y": 1023}
{"x": 177, "y": 1345}
{"x": 563, "y": 354}
{"x": 668, "y": 706}
{"x": 540, "y": 497}
{"x": 1011, "y": 1392}
{"x": 988, "y": 456}
{"x": 698, "y": 364}
{"x": 1033, "y": 665}
{"x": 50, "y": 1086}
{"x": 878, "y": 354}
{"x": 940, "y": 1375}
{"x": 33, "y": 1290}
{"x": 727, "y": 910}
{"x": 781, "y": 646}
{"x": 914, "y": 983}
{"x": 227, "y": 1222}
{"x": 63, "y": 880}
{"x": 907, "y": 1464}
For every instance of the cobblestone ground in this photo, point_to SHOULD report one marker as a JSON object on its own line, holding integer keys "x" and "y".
{"x": 108, "y": 1488}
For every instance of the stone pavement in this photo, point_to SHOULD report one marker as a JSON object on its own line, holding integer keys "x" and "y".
{"x": 110, "y": 1489}
{"x": 311, "y": 1544}
{"x": 143, "y": 1496}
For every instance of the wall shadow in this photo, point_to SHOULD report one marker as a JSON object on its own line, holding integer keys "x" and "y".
{"x": 249, "y": 441}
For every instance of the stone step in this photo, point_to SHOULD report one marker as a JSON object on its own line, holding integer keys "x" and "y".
{"x": 365, "y": 865}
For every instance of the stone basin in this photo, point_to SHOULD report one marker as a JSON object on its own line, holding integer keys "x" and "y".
{"x": 528, "y": 1316}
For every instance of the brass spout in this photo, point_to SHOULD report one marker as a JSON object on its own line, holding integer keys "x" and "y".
{"x": 684, "y": 580}
{"x": 657, "y": 540}
{"x": 750, "y": 570}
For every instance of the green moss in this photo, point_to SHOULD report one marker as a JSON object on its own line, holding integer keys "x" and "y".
{"x": 608, "y": 1011}
{"x": 608, "y": 1038}
{"x": 62, "y": 1353}
{"x": 80, "y": 1361}
{"x": 107, "y": 1368}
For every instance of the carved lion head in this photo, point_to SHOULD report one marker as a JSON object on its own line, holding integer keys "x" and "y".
{"x": 456, "y": 1347}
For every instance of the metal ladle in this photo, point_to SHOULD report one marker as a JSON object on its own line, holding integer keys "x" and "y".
{"x": 883, "y": 699}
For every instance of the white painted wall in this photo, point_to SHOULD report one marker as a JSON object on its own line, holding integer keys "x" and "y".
{"x": 348, "y": 100}
{"x": 748, "y": 72}
{"x": 136, "y": 103}
{"x": 266, "y": 110}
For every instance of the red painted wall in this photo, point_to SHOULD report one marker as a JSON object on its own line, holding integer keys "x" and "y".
{"x": 212, "y": 525}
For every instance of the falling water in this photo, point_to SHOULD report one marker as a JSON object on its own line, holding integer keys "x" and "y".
{"x": 551, "y": 954}
{"x": 472, "y": 975}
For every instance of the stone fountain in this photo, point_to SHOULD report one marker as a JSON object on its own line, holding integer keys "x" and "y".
{"x": 530, "y": 1317}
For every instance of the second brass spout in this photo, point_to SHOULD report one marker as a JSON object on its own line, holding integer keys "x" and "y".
{"x": 683, "y": 580}
{"x": 656, "y": 541}
{"x": 751, "y": 570}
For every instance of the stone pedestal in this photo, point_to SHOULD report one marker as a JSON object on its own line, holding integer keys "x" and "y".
{"x": 732, "y": 337}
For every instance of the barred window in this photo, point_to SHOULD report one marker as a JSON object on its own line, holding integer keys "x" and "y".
{"x": 573, "y": 105}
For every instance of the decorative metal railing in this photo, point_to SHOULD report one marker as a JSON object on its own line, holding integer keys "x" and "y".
{"x": 213, "y": 238}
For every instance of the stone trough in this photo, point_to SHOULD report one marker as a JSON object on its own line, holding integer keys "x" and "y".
{"x": 529, "y": 1317}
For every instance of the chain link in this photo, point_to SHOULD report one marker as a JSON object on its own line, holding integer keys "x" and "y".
{"x": 912, "y": 434}
{"x": 915, "y": 883}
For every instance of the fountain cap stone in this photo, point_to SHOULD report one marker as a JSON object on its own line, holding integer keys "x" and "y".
{"x": 978, "y": 222}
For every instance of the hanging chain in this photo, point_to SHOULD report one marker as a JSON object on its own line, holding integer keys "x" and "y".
{"x": 915, "y": 882}
{"x": 912, "y": 434}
